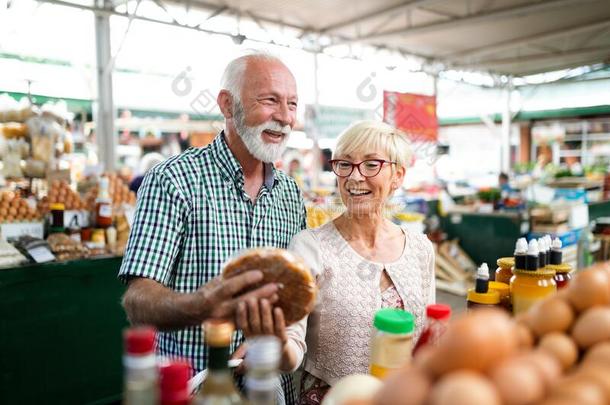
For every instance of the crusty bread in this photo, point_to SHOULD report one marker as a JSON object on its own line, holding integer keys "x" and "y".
{"x": 297, "y": 291}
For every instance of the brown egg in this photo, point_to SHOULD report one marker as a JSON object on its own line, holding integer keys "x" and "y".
{"x": 597, "y": 374}
{"x": 9, "y": 218}
{"x": 475, "y": 341}
{"x": 546, "y": 364}
{"x": 408, "y": 386}
{"x": 599, "y": 353}
{"x": 589, "y": 288}
{"x": 525, "y": 337}
{"x": 22, "y": 211}
{"x": 12, "y": 211}
{"x": 512, "y": 374}
{"x": 561, "y": 346}
{"x": 3, "y": 211}
{"x": 464, "y": 388}
{"x": 580, "y": 390}
{"x": 423, "y": 360}
{"x": 593, "y": 326}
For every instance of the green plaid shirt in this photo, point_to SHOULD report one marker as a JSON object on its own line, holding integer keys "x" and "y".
{"x": 192, "y": 215}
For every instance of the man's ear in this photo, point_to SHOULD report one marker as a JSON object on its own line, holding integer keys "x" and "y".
{"x": 225, "y": 102}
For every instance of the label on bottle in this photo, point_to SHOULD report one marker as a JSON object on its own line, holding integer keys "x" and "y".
{"x": 41, "y": 254}
{"x": 105, "y": 211}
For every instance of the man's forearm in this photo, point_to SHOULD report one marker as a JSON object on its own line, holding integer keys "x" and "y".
{"x": 147, "y": 302}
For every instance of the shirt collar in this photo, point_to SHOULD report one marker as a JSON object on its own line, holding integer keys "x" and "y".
{"x": 232, "y": 168}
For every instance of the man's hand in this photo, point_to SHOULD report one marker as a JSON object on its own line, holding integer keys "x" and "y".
{"x": 149, "y": 302}
{"x": 220, "y": 297}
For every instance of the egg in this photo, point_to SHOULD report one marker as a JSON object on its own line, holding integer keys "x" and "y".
{"x": 423, "y": 359}
{"x": 561, "y": 346}
{"x": 599, "y": 353}
{"x": 580, "y": 390}
{"x": 353, "y": 387}
{"x": 464, "y": 388}
{"x": 525, "y": 337}
{"x": 551, "y": 315}
{"x": 546, "y": 364}
{"x": 512, "y": 374}
{"x": 407, "y": 386}
{"x": 597, "y": 374}
{"x": 475, "y": 341}
{"x": 12, "y": 211}
{"x": 593, "y": 326}
{"x": 589, "y": 288}
{"x": 3, "y": 211}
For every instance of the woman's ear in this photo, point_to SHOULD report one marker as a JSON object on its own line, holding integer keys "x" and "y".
{"x": 398, "y": 178}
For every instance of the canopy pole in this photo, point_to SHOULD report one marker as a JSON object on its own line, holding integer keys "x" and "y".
{"x": 506, "y": 124}
{"x": 105, "y": 114}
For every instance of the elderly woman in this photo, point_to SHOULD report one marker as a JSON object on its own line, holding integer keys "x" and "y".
{"x": 361, "y": 260}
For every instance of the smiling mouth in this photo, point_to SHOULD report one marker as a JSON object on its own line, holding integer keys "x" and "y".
{"x": 358, "y": 193}
{"x": 274, "y": 134}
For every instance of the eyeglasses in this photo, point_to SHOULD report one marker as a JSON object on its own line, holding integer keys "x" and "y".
{"x": 367, "y": 168}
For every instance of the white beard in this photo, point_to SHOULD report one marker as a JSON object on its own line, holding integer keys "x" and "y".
{"x": 252, "y": 136}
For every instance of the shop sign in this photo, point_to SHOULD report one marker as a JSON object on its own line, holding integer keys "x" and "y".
{"x": 415, "y": 114}
{"x": 327, "y": 122}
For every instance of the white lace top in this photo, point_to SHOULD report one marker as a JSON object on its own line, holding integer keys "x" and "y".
{"x": 336, "y": 335}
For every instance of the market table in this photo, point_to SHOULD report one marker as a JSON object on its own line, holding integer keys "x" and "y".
{"x": 60, "y": 333}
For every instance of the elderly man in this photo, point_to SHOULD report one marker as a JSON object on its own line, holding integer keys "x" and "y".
{"x": 197, "y": 209}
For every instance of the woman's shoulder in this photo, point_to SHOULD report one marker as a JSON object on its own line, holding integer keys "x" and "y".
{"x": 418, "y": 240}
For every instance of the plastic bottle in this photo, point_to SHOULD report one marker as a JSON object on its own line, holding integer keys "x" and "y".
{"x": 174, "y": 376}
{"x": 437, "y": 318}
{"x": 392, "y": 342}
{"x": 481, "y": 296}
{"x": 140, "y": 377}
{"x": 262, "y": 377}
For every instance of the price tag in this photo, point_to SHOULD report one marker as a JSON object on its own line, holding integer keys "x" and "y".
{"x": 41, "y": 254}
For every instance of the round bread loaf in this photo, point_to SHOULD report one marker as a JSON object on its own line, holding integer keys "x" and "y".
{"x": 297, "y": 292}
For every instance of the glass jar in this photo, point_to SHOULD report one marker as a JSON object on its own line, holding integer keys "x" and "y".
{"x": 392, "y": 341}
{"x": 528, "y": 287}
{"x": 562, "y": 274}
{"x": 475, "y": 300}
{"x": 505, "y": 269}
{"x": 503, "y": 290}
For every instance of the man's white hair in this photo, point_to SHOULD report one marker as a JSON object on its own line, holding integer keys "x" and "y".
{"x": 233, "y": 76}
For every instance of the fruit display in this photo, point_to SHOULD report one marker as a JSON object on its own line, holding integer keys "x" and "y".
{"x": 60, "y": 192}
{"x": 13, "y": 208}
{"x": 119, "y": 192}
{"x": 557, "y": 352}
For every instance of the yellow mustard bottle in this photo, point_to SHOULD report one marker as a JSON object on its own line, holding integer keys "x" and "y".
{"x": 531, "y": 283}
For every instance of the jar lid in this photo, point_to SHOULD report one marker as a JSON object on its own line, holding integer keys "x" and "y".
{"x": 394, "y": 320}
{"x": 57, "y": 206}
{"x": 502, "y": 288}
{"x": 139, "y": 340}
{"x": 491, "y": 297}
{"x": 543, "y": 272}
{"x": 438, "y": 311}
{"x": 560, "y": 268}
{"x": 506, "y": 262}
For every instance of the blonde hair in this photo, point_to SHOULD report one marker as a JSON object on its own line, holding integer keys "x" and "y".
{"x": 364, "y": 136}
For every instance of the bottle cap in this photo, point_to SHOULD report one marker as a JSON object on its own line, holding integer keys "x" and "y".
{"x": 556, "y": 244}
{"x": 263, "y": 351}
{"x": 394, "y": 320}
{"x": 174, "y": 376}
{"x": 57, "y": 206}
{"x": 139, "y": 340}
{"x": 483, "y": 272}
{"x": 532, "y": 248}
{"x": 438, "y": 311}
{"x": 521, "y": 246}
{"x": 218, "y": 333}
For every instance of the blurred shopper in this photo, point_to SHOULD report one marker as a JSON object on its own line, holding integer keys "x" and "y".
{"x": 149, "y": 161}
{"x": 197, "y": 209}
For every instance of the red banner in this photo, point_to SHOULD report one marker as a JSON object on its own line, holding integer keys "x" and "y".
{"x": 414, "y": 114}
